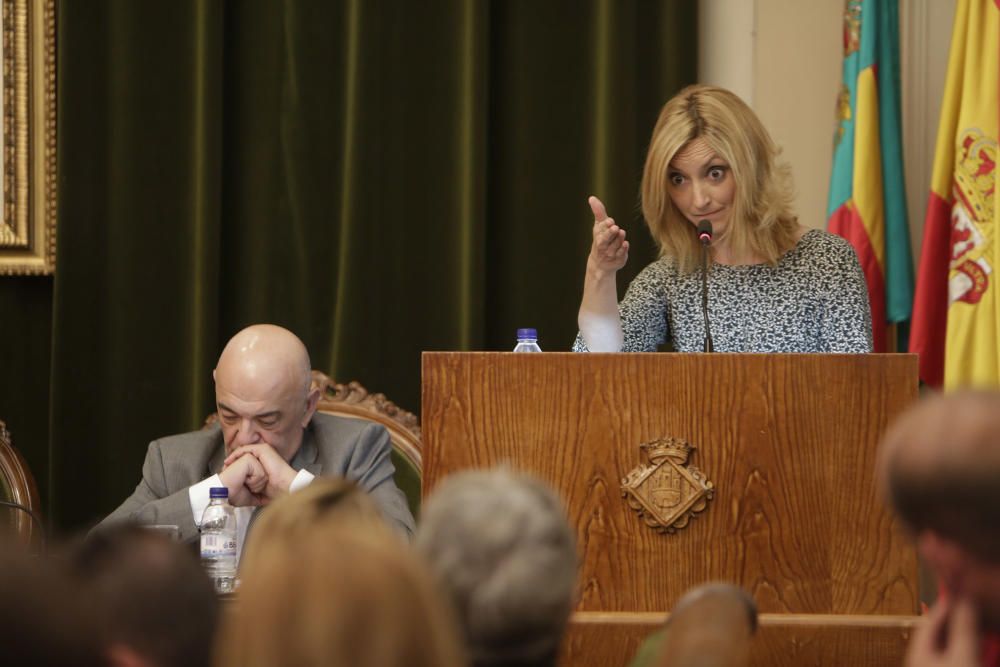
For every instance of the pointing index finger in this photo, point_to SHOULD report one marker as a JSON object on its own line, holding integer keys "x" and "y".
{"x": 600, "y": 213}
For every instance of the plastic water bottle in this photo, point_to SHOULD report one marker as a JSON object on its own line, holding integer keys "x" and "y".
{"x": 527, "y": 341}
{"x": 218, "y": 540}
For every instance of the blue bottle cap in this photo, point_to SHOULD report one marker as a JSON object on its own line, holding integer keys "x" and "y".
{"x": 218, "y": 492}
{"x": 527, "y": 333}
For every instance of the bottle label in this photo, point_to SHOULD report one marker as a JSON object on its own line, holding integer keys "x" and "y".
{"x": 217, "y": 546}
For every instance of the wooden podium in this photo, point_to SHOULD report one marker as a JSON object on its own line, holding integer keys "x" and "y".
{"x": 788, "y": 443}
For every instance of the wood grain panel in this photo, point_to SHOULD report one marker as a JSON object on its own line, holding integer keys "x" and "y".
{"x": 788, "y": 440}
{"x": 612, "y": 639}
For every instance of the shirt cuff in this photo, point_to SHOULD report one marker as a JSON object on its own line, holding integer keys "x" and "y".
{"x": 198, "y": 494}
{"x": 301, "y": 481}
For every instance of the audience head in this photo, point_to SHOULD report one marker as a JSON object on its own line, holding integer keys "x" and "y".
{"x": 710, "y": 626}
{"x": 327, "y": 501}
{"x": 150, "y": 595}
{"x": 44, "y": 621}
{"x": 940, "y": 464}
{"x": 325, "y": 581}
{"x": 712, "y": 120}
{"x": 263, "y": 389}
{"x": 501, "y": 546}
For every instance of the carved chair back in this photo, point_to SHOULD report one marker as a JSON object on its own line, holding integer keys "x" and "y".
{"x": 353, "y": 400}
{"x": 17, "y": 485}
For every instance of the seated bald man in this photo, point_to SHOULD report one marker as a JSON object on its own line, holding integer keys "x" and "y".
{"x": 269, "y": 441}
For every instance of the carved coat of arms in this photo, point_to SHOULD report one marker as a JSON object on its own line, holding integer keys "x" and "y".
{"x": 665, "y": 491}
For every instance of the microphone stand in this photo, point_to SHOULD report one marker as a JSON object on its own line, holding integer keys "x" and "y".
{"x": 705, "y": 236}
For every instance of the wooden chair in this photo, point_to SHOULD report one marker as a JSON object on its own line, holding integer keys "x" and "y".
{"x": 17, "y": 485}
{"x": 353, "y": 400}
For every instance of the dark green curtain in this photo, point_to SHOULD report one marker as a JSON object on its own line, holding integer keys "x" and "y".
{"x": 25, "y": 349}
{"x": 380, "y": 177}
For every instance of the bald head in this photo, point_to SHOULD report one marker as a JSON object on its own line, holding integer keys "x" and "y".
{"x": 266, "y": 354}
{"x": 940, "y": 463}
{"x": 262, "y": 389}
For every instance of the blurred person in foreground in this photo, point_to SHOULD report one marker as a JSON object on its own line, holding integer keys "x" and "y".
{"x": 44, "y": 621}
{"x": 151, "y": 598}
{"x": 325, "y": 582}
{"x": 269, "y": 441}
{"x": 503, "y": 550}
{"x": 712, "y": 625}
{"x": 773, "y": 284}
{"x": 940, "y": 465}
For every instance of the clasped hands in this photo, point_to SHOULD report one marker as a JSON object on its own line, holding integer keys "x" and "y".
{"x": 256, "y": 475}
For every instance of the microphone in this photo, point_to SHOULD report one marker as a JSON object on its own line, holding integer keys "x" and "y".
{"x": 705, "y": 232}
{"x": 705, "y": 237}
{"x": 34, "y": 517}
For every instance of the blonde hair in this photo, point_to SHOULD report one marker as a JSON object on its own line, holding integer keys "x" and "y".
{"x": 326, "y": 501}
{"x": 326, "y": 582}
{"x": 762, "y": 222}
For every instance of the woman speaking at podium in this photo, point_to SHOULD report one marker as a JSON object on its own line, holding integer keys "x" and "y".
{"x": 771, "y": 284}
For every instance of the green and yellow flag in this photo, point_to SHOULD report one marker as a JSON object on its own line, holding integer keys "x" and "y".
{"x": 867, "y": 204}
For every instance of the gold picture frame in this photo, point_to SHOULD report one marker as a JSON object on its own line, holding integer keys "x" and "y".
{"x": 28, "y": 230}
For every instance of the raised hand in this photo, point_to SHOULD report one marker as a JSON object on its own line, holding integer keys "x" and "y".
{"x": 609, "y": 250}
{"x": 947, "y": 637}
{"x": 246, "y": 480}
{"x": 278, "y": 475}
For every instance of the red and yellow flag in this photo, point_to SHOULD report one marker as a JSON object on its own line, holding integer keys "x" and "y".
{"x": 956, "y": 311}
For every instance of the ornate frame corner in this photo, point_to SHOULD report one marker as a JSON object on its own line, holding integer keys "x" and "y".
{"x": 28, "y": 229}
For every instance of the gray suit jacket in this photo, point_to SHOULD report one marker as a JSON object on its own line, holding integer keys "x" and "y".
{"x": 333, "y": 446}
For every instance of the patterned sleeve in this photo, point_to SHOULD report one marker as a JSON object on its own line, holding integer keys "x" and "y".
{"x": 643, "y": 313}
{"x": 847, "y": 315}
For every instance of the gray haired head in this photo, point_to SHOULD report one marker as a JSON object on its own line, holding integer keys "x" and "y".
{"x": 501, "y": 546}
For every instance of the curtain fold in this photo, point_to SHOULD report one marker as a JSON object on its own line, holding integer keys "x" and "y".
{"x": 25, "y": 350}
{"x": 380, "y": 177}
{"x": 135, "y": 303}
